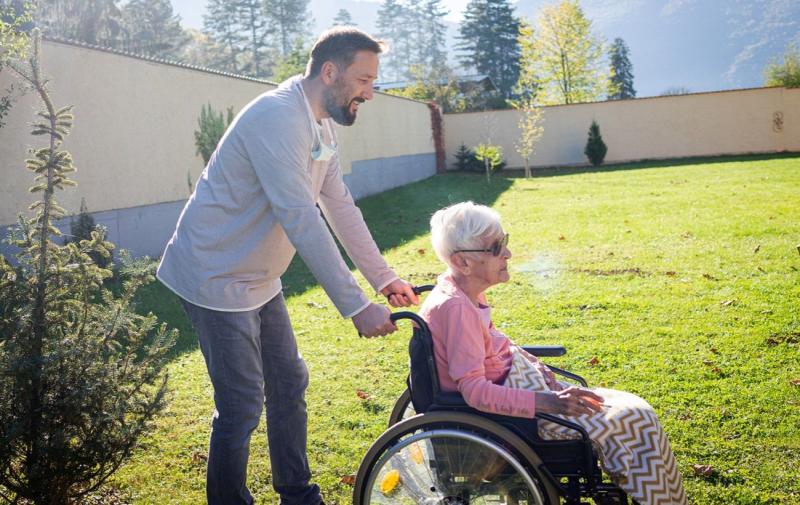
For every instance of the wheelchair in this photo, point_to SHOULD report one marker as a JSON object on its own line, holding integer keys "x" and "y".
{"x": 439, "y": 451}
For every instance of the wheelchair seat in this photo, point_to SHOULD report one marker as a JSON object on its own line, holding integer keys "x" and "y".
{"x": 439, "y": 450}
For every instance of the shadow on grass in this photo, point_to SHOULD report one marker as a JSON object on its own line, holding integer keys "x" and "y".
{"x": 394, "y": 218}
{"x": 644, "y": 164}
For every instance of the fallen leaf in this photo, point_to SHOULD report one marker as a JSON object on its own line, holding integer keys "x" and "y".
{"x": 709, "y": 277}
{"x": 795, "y": 382}
{"x": 315, "y": 305}
{"x": 708, "y": 362}
{"x": 798, "y": 248}
{"x": 594, "y": 361}
{"x": 714, "y": 350}
{"x": 703, "y": 470}
{"x": 761, "y": 270}
{"x": 671, "y": 273}
{"x": 348, "y": 480}
{"x": 728, "y": 302}
{"x": 758, "y": 248}
{"x": 562, "y": 237}
{"x": 363, "y": 395}
{"x": 421, "y": 252}
{"x": 199, "y": 457}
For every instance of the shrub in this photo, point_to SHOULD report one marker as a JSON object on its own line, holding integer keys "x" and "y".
{"x": 212, "y": 127}
{"x": 785, "y": 73}
{"x": 492, "y": 158}
{"x": 81, "y": 229}
{"x": 80, "y": 371}
{"x": 595, "y": 147}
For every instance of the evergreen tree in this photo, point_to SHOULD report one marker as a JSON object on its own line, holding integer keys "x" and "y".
{"x": 434, "y": 39}
{"x": 566, "y": 56}
{"x": 293, "y": 63}
{"x": 81, "y": 229}
{"x": 14, "y": 16}
{"x": 221, "y": 23}
{"x": 289, "y": 20}
{"x": 212, "y": 127}
{"x": 97, "y": 22}
{"x": 80, "y": 371}
{"x": 488, "y": 36}
{"x": 391, "y": 27}
{"x": 256, "y": 42}
{"x": 343, "y": 18}
{"x": 595, "y": 147}
{"x": 621, "y": 84}
{"x": 152, "y": 28}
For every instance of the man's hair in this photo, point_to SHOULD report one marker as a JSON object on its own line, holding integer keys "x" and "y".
{"x": 340, "y": 45}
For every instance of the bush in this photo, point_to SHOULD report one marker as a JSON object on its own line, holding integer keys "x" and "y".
{"x": 595, "y": 147}
{"x": 785, "y": 73}
{"x": 492, "y": 158}
{"x": 81, "y": 229}
{"x": 212, "y": 127}
{"x": 466, "y": 161}
{"x": 80, "y": 372}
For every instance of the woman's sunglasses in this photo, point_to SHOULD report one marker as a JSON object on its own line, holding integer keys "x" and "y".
{"x": 496, "y": 248}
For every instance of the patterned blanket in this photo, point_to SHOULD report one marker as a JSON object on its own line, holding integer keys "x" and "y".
{"x": 626, "y": 435}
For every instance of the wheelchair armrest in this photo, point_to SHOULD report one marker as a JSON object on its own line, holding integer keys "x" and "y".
{"x": 568, "y": 375}
{"x": 449, "y": 399}
{"x": 545, "y": 350}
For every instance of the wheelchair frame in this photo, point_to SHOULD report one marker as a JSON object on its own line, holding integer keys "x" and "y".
{"x": 557, "y": 469}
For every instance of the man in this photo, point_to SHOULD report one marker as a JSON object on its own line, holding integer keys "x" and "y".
{"x": 255, "y": 204}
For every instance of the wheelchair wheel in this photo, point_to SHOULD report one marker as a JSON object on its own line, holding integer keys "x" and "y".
{"x": 403, "y": 409}
{"x": 451, "y": 458}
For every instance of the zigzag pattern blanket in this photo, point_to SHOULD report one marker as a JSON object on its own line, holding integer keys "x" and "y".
{"x": 627, "y": 437}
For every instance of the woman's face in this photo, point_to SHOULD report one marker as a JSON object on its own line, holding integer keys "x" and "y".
{"x": 488, "y": 268}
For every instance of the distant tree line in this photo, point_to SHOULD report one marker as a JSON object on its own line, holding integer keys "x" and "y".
{"x": 566, "y": 62}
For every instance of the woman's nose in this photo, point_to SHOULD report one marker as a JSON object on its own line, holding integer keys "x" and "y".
{"x": 507, "y": 253}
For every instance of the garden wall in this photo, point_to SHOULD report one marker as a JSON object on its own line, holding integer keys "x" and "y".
{"x": 700, "y": 124}
{"x": 133, "y": 139}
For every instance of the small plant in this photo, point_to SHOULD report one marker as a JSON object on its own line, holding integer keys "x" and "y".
{"x": 80, "y": 372}
{"x": 81, "y": 229}
{"x": 466, "y": 160}
{"x": 212, "y": 127}
{"x": 492, "y": 158}
{"x": 595, "y": 147}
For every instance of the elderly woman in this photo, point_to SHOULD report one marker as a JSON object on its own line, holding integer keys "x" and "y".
{"x": 494, "y": 375}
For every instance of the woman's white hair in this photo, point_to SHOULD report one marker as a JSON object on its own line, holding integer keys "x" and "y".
{"x": 463, "y": 225}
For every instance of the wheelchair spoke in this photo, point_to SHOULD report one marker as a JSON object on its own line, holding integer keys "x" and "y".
{"x": 445, "y": 467}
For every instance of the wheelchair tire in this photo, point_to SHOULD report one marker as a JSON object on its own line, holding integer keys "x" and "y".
{"x": 402, "y": 409}
{"x": 451, "y": 458}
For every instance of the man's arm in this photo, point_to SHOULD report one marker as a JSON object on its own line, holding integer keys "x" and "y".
{"x": 279, "y": 151}
{"x": 347, "y": 222}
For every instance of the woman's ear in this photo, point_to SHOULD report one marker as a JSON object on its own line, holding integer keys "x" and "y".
{"x": 459, "y": 264}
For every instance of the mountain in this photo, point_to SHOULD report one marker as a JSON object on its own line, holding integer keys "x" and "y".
{"x": 701, "y": 45}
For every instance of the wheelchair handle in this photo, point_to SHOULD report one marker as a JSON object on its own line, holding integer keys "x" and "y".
{"x": 396, "y": 316}
{"x": 418, "y": 290}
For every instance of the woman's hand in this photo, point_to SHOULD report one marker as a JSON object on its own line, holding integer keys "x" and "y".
{"x": 570, "y": 402}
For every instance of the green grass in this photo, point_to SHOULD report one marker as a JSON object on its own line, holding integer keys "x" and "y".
{"x": 683, "y": 279}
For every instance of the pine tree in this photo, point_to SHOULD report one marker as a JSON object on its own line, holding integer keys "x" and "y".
{"x": 221, "y": 22}
{"x": 343, "y": 18}
{"x": 289, "y": 20}
{"x": 621, "y": 83}
{"x": 256, "y": 32}
{"x": 80, "y": 371}
{"x": 595, "y": 147}
{"x": 488, "y": 36}
{"x": 566, "y": 57}
{"x": 152, "y": 28}
{"x": 434, "y": 52}
{"x": 97, "y": 22}
{"x": 391, "y": 28}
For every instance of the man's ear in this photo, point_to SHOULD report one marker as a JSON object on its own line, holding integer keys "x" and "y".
{"x": 329, "y": 72}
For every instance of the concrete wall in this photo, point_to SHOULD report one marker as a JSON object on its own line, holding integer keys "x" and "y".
{"x": 133, "y": 139}
{"x": 702, "y": 124}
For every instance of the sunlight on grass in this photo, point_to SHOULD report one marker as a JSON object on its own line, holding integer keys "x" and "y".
{"x": 682, "y": 281}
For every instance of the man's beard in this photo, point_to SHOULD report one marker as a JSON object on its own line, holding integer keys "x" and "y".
{"x": 337, "y": 105}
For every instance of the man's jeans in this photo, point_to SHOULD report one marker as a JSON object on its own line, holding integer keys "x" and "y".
{"x": 252, "y": 356}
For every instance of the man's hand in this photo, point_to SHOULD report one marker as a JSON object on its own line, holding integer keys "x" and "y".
{"x": 400, "y": 294}
{"x": 374, "y": 321}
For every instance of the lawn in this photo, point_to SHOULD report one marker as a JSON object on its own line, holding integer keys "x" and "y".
{"x": 677, "y": 281}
